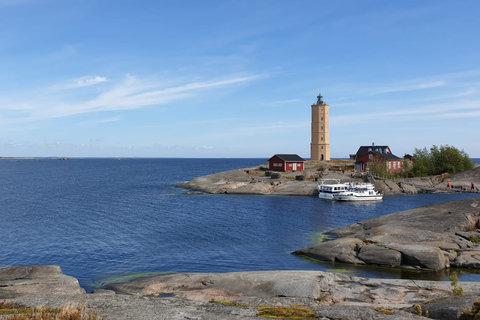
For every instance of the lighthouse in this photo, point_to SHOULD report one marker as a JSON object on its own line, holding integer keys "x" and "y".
{"x": 320, "y": 145}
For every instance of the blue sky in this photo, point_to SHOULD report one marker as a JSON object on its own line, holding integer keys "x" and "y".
{"x": 100, "y": 78}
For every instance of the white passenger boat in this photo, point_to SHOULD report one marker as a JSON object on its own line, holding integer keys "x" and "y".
{"x": 329, "y": 187}
{"x": 359, "y": 192}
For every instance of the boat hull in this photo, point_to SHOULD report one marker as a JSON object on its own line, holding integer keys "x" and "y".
{"x": 327, "y": 190}
{"x": 341, "y": 197}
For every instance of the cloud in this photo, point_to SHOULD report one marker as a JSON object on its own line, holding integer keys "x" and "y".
{"x": 281, "y": 102}
{"x": 430, "y": 82}
{"x": 130, "y": 93}
{"x": 415, "y": 113}
{"x": 409, "y": 87}
{"x": 472, "y": 114}
{"x": 108, "y": 120}
{"x": 78, "y": 83}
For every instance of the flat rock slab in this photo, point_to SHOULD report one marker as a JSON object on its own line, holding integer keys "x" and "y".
{"x": 36, "y": 280}
{"x": 323, "y": 287}
{"x": 432, "y": 237}
{"x": 190, "y": 295}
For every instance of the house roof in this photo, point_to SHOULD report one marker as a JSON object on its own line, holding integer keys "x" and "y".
{"x": 381, "y": 151}
{"x": 288, "y": 157}
{"x": 388, "y": 156}
{"x": 366, "y": 149}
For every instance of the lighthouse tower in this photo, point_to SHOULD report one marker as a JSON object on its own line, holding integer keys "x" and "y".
{"x": 320, "y": 145}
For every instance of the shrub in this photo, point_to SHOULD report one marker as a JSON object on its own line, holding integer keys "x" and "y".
{"x": 275, "y": 175}
{"x": 446, "y": 159}
{"x": 458, "y": 291}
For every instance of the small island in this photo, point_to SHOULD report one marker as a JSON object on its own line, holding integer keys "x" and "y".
{"x": 259, "y": 180}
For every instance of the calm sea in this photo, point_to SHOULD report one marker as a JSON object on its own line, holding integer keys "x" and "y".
{"x": 104, "y": 219}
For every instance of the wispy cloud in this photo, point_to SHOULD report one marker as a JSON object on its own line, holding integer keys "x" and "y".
{"x": 281, "y": 102}
{"x": 132, "y": 92}
{"x": 107, "y": 120}
{"x": 419, "y": 113}
{"x": 78, "y": 83}
{"x": 412, "y": 86}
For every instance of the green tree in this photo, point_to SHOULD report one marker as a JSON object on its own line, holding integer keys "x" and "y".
{"x": 377, "y": 167}
{"x": 422, "y": 163}
{"x": 443, "y": 159}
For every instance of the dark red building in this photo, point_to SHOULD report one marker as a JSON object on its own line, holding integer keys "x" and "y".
{"x": 286, "y": 162}
{"x": 373, "y": 153}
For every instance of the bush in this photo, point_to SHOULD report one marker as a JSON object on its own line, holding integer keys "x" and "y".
{"x": 446, "y": 159}
{"x": 300, "y": 177}
{"x": 275, "y": 175}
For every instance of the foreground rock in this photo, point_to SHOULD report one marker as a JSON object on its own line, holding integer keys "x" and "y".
{"x": 433, "y": 237}
{"x": 206, "y": 296}
{"x": 36, "y": 280}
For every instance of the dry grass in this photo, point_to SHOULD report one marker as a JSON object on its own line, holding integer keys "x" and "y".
{"x": 10, "y": 311}
{"x": 384, "y": 311}
{"x": 286, "y": 313}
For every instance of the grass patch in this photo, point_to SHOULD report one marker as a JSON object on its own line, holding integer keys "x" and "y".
{"x": 474, "y": 239}
{"x": 229, "y": 303}
{"x": 286, "y": 313}
{"x": 384, "y": 311}
{"x": 10, "y": 311}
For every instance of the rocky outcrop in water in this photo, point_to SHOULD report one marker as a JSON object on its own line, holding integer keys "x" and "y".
{"x": 260, "y": 181}
{"x": 433, "y": 237}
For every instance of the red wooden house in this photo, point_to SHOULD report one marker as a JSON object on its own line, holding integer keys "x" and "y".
{"x": 286, "y": 162}
{"x": 370, "y": 154}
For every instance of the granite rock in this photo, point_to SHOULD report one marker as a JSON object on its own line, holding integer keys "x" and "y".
{"x": 432, "y": 237}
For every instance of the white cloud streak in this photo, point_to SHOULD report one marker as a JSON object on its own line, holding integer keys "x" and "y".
{"x": 131, "y": 93}
{"x": 438, "y": 111}
{"x": 410, "y": 87}
{"x": 79, "y": 83}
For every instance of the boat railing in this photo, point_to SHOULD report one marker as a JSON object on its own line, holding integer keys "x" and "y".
{"x": 325, "y": 180}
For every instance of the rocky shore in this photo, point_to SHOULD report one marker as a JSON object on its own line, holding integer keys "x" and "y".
{"x": 260, "y": 181}
{"x": 241, "y": 295}
{"x": 431, "y": 237}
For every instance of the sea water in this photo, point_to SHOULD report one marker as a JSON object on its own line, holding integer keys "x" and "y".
{"x": 106, "y": 219}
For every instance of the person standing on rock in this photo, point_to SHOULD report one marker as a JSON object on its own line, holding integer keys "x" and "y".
{"x": 473, "y": 186}
{"x": 448, "y": 184}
